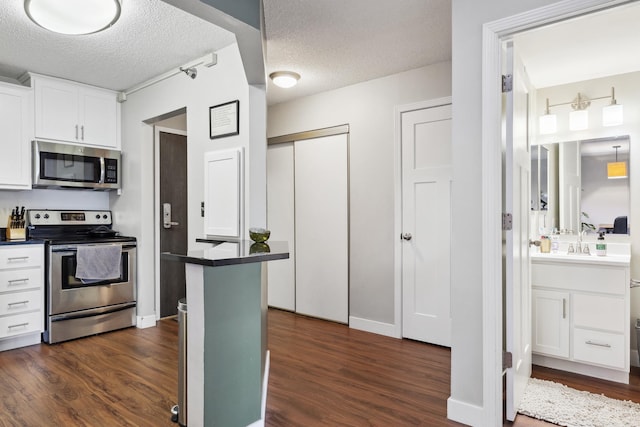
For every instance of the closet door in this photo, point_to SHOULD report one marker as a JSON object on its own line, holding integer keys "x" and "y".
{"x": 321, "y": 227}
{"x": 281, "y": 222}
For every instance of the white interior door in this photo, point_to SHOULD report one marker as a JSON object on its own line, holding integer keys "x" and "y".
{"x": 517, "y": 188}
{"x": 322, "y": 227}
{"x": 281, "y": 222}
{"x": 426, "y": 225}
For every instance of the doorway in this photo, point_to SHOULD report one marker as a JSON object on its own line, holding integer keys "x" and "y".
{"x": 170, "y": 151}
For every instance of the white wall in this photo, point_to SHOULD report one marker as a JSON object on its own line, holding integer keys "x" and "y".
{"x": 134, "y": 209}
{"x": 368, "y": 108}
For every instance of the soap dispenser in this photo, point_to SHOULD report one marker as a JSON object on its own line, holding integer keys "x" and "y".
{"x": 601, "y": 246}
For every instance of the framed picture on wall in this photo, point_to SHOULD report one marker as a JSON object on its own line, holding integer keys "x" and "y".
{"x": 224, "y": 119}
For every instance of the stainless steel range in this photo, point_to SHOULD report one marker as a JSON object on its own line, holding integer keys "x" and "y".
{"x": 90, "y": 273}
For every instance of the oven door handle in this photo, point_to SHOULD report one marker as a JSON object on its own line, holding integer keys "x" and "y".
{"x": 66, "y": 250}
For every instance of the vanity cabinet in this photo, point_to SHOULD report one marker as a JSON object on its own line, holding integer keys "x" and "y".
{"x": 580, "y": 316}
{"x": 73, "y": 112}
{"x": 21, "y": 295}
{"x": 16, "y": 129}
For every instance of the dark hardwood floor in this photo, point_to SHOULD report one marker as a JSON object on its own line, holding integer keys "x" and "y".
{"x": 322, "y": 374}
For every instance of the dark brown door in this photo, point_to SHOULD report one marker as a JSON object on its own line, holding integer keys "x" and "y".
{"x": 173, "y": 191}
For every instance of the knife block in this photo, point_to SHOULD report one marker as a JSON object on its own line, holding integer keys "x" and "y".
{"x": 15, "y": 233}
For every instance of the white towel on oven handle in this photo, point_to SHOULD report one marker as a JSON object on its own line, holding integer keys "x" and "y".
{"x": 98, "y": 262}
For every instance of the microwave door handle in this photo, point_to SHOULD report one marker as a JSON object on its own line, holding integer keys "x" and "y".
{"x": 102, "y": 170}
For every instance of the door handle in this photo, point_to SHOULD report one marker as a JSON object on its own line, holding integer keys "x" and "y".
{"x": 534, "y": 242}
{"x": 406, "y": 236}
{"x": 166, "y": 216}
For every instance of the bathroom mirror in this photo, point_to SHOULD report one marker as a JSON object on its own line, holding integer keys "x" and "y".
{"x": 586, "y": 183}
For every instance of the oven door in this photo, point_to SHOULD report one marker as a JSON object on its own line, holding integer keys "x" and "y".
{"x": 66, "y": 293}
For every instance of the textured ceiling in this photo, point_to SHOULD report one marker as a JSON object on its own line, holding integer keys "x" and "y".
{"x": 335, "y": 43}
{"x": 149, "y": 39}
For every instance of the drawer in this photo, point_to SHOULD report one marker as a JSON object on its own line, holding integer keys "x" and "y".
{"x": 21, "y": 324}
{"x": 20, "y": 302}
{"x": 599, "y": 348}
{"x": 599, "y": 312}
{"x": 17, "y": 280}
{"x": 601, "y": 279}
{"x": 21, "y": 256}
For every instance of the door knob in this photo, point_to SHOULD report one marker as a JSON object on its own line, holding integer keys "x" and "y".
{"x": 534, "y": 242}
{"x": 406, "y": 236}
{"x": 166, "y": 216}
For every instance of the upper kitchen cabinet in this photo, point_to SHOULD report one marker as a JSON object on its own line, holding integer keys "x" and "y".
{"x": 74, "y": 112}
{"x": 16, "y": 128}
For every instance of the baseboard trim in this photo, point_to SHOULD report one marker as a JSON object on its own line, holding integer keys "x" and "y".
{"x": 373, "y": 326}
{"x": 143, "y": 322}
{"x": 463, "y": 412}
{"x": 20, "y": 341}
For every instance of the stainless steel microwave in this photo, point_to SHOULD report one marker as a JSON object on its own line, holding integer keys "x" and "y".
{"x": 58, "y": 165}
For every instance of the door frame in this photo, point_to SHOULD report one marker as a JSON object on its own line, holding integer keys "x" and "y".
{"x": 493, "y": 35}
{"x": 396, "y": 332}
{"x": 156, "y": 209}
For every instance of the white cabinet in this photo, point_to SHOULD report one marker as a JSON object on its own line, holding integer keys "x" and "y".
{"x": 16, "y": 129}
{"x": 21, "y": 295}
{"x": 73, "y": 112}
{"x": 580, "y": 316}
{"x": 223, "y": 193}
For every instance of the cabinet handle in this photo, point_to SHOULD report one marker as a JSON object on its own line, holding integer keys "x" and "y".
{"x": 18, "y": 281}
{"x": 18, "y": 303}
{"x": 76, "y": 131}
{"x": 564, "y": 308}
{"x": 598, "y": 344}
{"x": 82, "y": 132}
{"x": 19, "y": 325}
{"x": 18, "y": 258}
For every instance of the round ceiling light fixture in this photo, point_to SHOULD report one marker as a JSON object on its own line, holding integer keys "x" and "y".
{"x": 74, "y": 17}
{"x": 284, "y": 79}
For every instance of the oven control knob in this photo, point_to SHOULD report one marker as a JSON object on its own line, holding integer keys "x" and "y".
{"x": 104, "y": 216}
{"x": 46, "y": 216}
{"x": 37, "y": 216}
{"x": 98, "y": 216}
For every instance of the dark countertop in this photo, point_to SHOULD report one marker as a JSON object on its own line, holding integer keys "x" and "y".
{"x": 223, "y": 253}
{"x": 5, "y": 242}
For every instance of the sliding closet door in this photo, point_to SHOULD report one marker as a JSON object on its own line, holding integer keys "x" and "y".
{"x": 281, "y": 222}
{"x": 321, "y": 227}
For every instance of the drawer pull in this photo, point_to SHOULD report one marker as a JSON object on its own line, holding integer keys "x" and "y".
{"x": 18, "y": 281}
{"x": 19, "y": 325}
{"x": 598, "y": 344}
{"x": 25, "y": 302}
{"x": 18, "y": 258}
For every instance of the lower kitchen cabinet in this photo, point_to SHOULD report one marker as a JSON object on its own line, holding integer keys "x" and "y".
{"x": 21, "y": 295}
{"x": 580, "y": 317}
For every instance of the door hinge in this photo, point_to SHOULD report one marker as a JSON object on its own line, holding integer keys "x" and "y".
{"x": 507, "y": 222}
{"x": 507, "y": 83}
{"x": 507, "y": 360}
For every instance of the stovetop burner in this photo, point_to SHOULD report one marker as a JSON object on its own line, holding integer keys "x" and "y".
{"x": 71, "y": 227}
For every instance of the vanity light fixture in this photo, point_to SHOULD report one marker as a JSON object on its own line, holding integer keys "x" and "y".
{"x": 579, "y": 117}
{"x": 284, "y": 79}
{"x": 616, "y": 170}
{"x": 73, "y": 17}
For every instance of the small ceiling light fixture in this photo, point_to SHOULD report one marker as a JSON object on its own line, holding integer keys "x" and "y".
{"x": 616, "y": 170}
{"x": 191, "y": 71}
{"x": 73, "y": 17}
{"x": 579, "y": 117}
{"x": 284, "y": 79}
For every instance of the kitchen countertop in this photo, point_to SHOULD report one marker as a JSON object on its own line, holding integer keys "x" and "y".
{"x": 223, "y": 253}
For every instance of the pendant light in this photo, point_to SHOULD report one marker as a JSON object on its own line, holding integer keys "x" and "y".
{"x": 616, "y": 170}
{"x": 73, "y": 17}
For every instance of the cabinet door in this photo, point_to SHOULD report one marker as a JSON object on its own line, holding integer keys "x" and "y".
{"x": 550, "y": 320}
{"x": 223, "y": 193}
{"x": 56, "y": 114}
{"x": 322, "y": 228}
{"x": 15, "y": 128}
{"x": 98, "y": 117}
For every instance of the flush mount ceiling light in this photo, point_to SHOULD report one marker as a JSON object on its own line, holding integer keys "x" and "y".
{"x": 579, "y": 117}
{"x": 284, "y": 79}
{"x": 74, "y": 17}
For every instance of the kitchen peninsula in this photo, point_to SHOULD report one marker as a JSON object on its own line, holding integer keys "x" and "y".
{"x": 227, "y": 358}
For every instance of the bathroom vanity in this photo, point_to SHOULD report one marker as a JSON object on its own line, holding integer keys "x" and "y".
{"x": 580, "y": 312}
